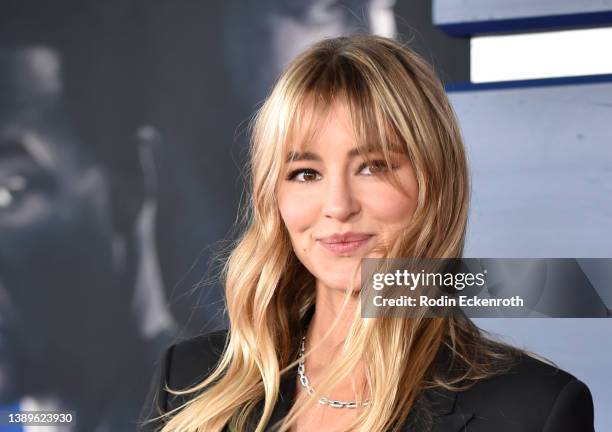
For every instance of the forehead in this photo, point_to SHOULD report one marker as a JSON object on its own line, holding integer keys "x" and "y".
{"x": 337, "y": 123}
{"x": 27, "y": 75}
{"x": 32, "y": 118}
{"x": 316, "y": 125}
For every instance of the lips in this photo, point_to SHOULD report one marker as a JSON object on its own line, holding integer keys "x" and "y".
{"x": 345, "y": 238}
{"x": 342, "y": 244}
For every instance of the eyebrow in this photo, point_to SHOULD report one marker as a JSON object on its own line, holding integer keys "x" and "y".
{"x": 17, "y": 146}
{"x": 12, "y": 147}
{"x": 293, "y": 156}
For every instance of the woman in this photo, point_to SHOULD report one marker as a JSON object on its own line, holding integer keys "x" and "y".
{"x": 356, "y": 153}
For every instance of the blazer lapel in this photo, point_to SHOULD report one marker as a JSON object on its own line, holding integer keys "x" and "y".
{"x": 287, "y": 390}
{"x": 452, "y": 423}
{"x": 286, "y": 397}
{"x": 441, "y": 404}
{"x": 438, "y": 403}
{"x": 284, "y": 402}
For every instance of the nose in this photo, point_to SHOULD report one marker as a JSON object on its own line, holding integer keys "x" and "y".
{"x": 340, "y": 201}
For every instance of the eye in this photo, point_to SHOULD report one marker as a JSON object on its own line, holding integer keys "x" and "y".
{"x": 376, "y": 166}
{"x": 306, "y": 175}
{"x": 12, "y": 190}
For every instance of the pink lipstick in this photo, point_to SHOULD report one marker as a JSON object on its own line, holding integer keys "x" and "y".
{"x": 341, "y": 244}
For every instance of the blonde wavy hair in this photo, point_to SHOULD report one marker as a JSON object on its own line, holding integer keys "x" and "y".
{"x": 396, "y": 103}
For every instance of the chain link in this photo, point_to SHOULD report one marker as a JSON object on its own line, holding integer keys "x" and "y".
{"x": 306, "y": 384}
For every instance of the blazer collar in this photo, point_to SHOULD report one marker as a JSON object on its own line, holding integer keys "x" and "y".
{"x": 446, "y": 417}
{"x": 440, "y": 402}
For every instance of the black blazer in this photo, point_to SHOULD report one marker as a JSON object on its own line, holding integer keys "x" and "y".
{"x": 533, "y": 396}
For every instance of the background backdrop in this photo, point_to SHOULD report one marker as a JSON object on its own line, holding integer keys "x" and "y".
{"x": 122, "y": 149}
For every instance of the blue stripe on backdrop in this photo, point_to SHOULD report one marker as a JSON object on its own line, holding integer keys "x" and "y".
{"x": 14, "y": 407}
{"x": 548, "y": 22}
{"x": 540, "y": 82}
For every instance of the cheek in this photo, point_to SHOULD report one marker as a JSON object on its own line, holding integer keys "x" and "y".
{"x": 298, "y": 213}
{"x": 389, "y": 206}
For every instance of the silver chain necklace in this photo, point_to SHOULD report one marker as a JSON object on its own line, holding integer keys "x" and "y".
{"x": 306, "y": 384}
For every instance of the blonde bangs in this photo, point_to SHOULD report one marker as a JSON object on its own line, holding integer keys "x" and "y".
{"x": 372, "y": 118}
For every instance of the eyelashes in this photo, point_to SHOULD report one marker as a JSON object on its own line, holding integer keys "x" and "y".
{"x": 379, "y": 165}
{"x": 293, "y": 174}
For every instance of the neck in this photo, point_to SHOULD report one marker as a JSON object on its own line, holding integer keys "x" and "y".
{"x": 328, "y": 308}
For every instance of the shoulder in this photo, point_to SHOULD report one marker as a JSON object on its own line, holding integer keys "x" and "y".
{"x": 191, "y": 360}
{"x": 181, "y": 365}
{"x": 532, "y": 395}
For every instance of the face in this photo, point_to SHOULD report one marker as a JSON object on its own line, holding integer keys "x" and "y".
{"x": 292, "y": 31}
{"x": 277, "y": 32}
{"x": 332, "y": 190}
{"x": 55, "y": 230}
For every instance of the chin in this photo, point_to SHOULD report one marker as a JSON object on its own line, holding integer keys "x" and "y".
{"x": 335, "y": 274}
{"x": 342, "y": 283}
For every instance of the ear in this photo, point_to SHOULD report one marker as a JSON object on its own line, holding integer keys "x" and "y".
{"x": 149, "y": 144}
{"x": 143, "y": 274}
{"x": 132, "y": 176}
